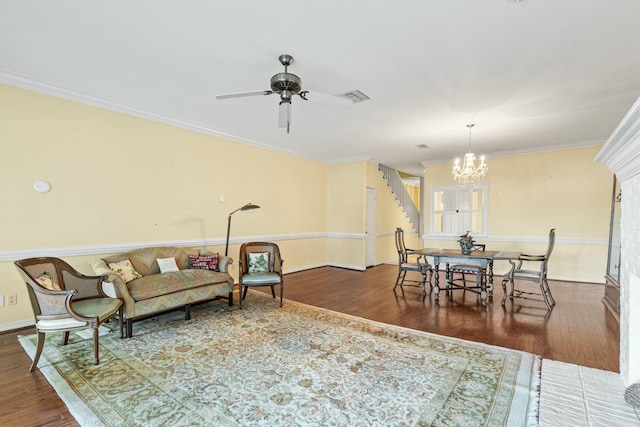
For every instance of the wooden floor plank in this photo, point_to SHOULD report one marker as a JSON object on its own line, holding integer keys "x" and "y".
{"x": 579, "y": 329}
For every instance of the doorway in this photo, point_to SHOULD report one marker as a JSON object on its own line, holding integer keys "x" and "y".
{"x": 371, "y": 228}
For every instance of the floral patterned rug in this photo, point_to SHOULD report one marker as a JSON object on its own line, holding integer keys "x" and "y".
{"x": 290, "y": 366}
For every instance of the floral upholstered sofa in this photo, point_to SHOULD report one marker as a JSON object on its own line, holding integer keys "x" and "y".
{"x": 154, "y": 280}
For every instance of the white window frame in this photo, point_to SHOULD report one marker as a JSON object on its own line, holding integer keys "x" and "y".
{"x": 456, "y": 190}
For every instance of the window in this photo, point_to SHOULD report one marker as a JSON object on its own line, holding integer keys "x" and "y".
{"x": 458, "y": 209}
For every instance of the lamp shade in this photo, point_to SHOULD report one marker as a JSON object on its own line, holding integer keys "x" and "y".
{"x": 249, "y": 206}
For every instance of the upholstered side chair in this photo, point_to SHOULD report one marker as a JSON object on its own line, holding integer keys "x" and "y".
{"x": 64, "y": 300}
{"x": 260, "y": 265}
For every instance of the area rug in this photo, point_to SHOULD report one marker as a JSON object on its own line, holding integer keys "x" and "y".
{"x": 297, "y": 365}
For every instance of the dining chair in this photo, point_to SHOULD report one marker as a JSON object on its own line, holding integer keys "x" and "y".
{"x": 418, "y": 265}
{"x": 478, "y": 270}
{"x": 64, "y": 300}
{"x": 260, "y": 265}
{"x": 538, "y": 276}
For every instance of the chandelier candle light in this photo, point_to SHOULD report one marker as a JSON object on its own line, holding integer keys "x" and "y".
{"x": 468, "y": 173}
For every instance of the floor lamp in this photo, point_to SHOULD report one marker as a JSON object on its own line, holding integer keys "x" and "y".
{"x": 247, "y": 207}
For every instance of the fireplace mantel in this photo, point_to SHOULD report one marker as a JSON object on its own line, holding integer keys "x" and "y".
{"x": 621, "y": 154}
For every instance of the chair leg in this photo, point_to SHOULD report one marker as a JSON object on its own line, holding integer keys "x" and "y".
{"x": 546, "y": 293}
{"x": 242, "y": 295}
{"x": 281, "y": 293}
{"x": 65, "y": 337}
{"x": 480, "y": 283}
{"x": 40, "y": 345}
{"x": 273, "y": 292}
{"x": 424, "y": 282}
{"x": 187, "y": 312}
{"x": 121, "y": 320}
{"x": 231, "y": 299}
{"x": 95, "y": 345}
{"x": 129, "y": 328}
{"x": 398, "y": 282}
{"x": 504, "y": 291}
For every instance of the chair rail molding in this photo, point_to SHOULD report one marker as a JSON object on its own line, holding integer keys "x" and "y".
{"x": 12, "y": 255}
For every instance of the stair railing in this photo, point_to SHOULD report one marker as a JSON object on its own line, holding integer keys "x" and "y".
{"x": 394, "y": 181}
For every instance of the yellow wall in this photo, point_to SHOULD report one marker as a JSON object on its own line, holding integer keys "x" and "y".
{"x": 414, "y": 193}
{"x": 118, "y": 179}
{"x": 529, "y": 194}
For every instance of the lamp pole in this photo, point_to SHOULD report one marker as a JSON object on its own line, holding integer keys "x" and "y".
{"x": 247, "y": 207}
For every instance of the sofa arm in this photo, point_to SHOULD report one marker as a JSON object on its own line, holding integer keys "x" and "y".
{"x": 223, "y": 262}
{"x": 111, "y": 282}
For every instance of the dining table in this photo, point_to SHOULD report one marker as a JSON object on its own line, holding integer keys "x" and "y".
{"x": 482, "y": 258}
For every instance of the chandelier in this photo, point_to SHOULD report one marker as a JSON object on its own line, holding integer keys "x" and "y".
{"x": 469, "y": 173}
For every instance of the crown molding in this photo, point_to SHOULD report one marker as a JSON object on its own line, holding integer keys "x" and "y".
{"x": 525, "y": 151}
{"x": 621, "y": 153}
{"x": 23, "y": 82}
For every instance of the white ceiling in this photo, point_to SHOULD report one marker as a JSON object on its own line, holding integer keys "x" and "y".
{"x": 532, "y": 75}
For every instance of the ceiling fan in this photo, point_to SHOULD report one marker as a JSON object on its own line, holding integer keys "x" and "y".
{"x": 287, "y": 85}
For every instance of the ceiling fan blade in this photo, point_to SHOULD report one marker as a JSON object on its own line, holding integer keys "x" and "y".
{"x": 326, "y": 99}
{"x": 243, "y": 94}
{"x": 284, "y": 115}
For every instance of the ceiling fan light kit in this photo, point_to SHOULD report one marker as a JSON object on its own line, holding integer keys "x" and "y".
{"x": 287, "y": 85}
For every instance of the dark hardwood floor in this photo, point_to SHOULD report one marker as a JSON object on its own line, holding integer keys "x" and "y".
{"x": 579, "y": 329}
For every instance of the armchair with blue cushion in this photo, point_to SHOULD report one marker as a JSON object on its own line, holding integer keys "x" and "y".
{"x": 260, "y": 265}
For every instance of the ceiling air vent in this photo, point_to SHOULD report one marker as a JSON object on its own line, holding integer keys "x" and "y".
{"x": 422, "y": 146}
{"x": 355, "y": 96}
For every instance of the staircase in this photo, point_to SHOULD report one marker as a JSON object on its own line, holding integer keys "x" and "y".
{"x": 394, "y": 182}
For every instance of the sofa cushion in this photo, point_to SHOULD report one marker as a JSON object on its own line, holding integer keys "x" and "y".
{"x": 161, "y": 284}
{"x": 204, "y": 262}
{"x": 258, "y": 262}
{"x": 144, "y": 259}
{"x": 125, "y": 270}
{"x": 48, "y": 282}
{"x": 167, "y": 264}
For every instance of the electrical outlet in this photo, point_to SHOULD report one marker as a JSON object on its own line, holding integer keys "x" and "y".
{"x": 13, "y": 299}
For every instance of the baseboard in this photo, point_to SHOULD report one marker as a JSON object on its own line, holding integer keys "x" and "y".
{"x": 16, "y": 325}
{"x": 348, "y": 267}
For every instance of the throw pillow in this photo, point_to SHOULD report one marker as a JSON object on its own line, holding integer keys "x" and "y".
{"x": 48, "y": 282}
{"x": 204, "y": 262}
{"x": 125, "y": 270}
{"x": 167, "y": 264}
{"x": 258, "y": 262}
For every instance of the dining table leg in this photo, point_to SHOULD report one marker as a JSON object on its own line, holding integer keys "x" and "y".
{"x": 436, "y": 287}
